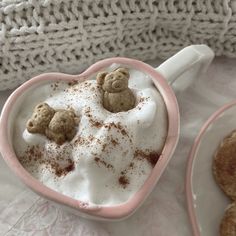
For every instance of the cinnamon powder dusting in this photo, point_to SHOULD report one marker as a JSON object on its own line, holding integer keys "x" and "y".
{"x": 54, "y": 86}
{"x": 117, "y": 126}
{"x": 73, "y": 82}
{"x": 151, "y": 157}
{"x": 96, "y": 123}
{"x": 123, "y": 181}
{"x": 34, "y": 155}
{"x": 107, "y": 165}
{"x": 60, "y": 171}
{"x": 114, "y": 142}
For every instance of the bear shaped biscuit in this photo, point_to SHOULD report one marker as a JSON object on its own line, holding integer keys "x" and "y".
{"x": 62, "y": 126}
{"x": 224, "y": 166}
{"x": 228, "y": 223}
{"x": 56, "y": 125}
{"x": 40, "y": 118}
{"x": 117, "y": 96}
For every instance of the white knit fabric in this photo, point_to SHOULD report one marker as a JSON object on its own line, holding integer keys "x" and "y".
{"x": 69, "y": 35}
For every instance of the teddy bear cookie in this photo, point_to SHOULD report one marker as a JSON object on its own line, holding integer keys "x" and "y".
{"x": 228, "y": 223}
{"x": 57, "y": 125}
{"x": 40, "y": 118}
{"x": 224, "y": 166}
{"x": 117, "y": 96}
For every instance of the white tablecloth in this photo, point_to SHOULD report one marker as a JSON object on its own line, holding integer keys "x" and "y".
{"x": 164, "y": 213}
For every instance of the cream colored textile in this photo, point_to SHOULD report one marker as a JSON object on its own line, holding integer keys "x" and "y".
{"x": 39, "y": 36}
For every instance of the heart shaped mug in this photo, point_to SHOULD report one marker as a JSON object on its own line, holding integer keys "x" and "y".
{"x": 175, "y": 73}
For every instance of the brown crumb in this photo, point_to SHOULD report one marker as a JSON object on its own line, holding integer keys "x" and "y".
{"x": 123, "y": 181}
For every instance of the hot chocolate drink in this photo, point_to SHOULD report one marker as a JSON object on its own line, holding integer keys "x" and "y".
{"x": 98, "y": 140}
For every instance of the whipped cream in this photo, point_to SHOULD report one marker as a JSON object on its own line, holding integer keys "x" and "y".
{"x": 111, "y": 155}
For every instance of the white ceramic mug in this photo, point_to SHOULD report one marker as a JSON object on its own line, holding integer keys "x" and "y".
{"x": 178, "y": 71}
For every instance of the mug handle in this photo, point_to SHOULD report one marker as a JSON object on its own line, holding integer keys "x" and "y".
{"x": 181, "y": 69}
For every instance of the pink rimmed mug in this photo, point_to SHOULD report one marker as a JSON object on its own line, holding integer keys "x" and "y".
{"x": 177, "y": 73}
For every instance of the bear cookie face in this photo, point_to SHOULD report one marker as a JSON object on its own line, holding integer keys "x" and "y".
{"x": 40, "y": 118}
{"x": 117, "y": 95}
{"x": 57, "y": 125}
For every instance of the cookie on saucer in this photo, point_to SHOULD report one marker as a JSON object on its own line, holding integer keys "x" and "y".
{"x": 224, "y": 166}
{"x": 228, "y": 223}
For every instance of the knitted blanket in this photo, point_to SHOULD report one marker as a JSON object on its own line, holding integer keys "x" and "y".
{"x": 67, "y": 36}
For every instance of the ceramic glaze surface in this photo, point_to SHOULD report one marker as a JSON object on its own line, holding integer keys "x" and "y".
{"x": 190, "y": 63}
